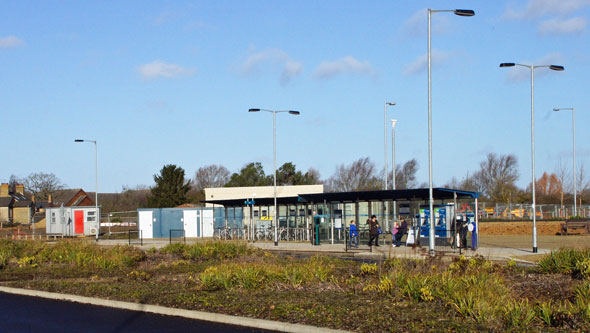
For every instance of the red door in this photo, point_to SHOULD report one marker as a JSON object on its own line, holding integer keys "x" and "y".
{"x": 78, "y": 221}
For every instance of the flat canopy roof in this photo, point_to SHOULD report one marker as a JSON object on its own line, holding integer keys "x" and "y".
{"x": 381, "y": 195}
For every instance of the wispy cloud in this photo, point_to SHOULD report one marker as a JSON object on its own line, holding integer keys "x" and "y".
{"x": 158, "y": 69}
{"x": 540, "y": 8}
{"x": 345, "y": 65}
{"x": 519, "y": 73}
{"x": 416, "y": 25}
{"x": 258, "y": 61}
{"x": 562, "y": 26}
{"x": 10, "y": 42}
{"x": 421, "y": 63}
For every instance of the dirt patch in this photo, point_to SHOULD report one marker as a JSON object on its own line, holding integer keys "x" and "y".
{"x": 520, "y": 228}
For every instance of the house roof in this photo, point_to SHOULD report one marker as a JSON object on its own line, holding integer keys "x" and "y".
{"x": 68, "y": 197}
{"x": 23, "y": 203}
{"x": 5, "y": 201}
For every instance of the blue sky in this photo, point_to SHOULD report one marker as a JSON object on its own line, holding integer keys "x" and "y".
{"x": 171, "y": 82}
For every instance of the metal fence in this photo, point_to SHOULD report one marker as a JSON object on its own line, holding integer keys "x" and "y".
{"x": 178, "y": 235}
{"x": 525, "y": 211}
{"x": 135, "y": 237}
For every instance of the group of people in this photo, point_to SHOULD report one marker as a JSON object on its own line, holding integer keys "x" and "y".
{"x": 397, "y": 232}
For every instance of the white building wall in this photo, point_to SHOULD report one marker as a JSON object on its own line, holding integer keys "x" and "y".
{"x": 225, "y": 193}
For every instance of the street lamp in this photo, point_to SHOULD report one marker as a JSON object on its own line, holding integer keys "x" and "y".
{"x": 385, "y": 137}
{"x": 532, "y": 68}
{"x": 97, "y": 216}
{"x": 274, "y": 144}
{"x": 459, "y": 12}
{"x": 574, "y": 139}
{"x": 393, "y": 168}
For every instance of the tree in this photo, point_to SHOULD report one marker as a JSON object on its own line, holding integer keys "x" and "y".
{"x": 405, "y": 175}
{"x": 171, "y": 188}
{"x": 497, "y": 176}
{"x": 358, "y": 176}
{"x": 288, "y": 174}
{"x": 42, "y": 184}
{"x": 548, "y": 188}
{"x": 251, "y": 174}
{"x": 210, "y": 176}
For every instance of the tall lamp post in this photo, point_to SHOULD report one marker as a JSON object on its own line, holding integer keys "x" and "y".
{"x": 532, "y": 68}
{"x": 385, "y": 138}
{"x": 393, "y": 167}
{"x": 96, "y": 179}
{"x": 274, "y": 144}
{"x": 575, "y": 170}
{"x": 459, "y": 12}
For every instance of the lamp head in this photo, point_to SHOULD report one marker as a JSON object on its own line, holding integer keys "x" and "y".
{"x": 391, "y": 103}
{"x": 294, "y": 112}
{"x": 556, "y": 109}
{"x": 464, "y": 12}
{"x": 254, "y": 110}
{"x": 78, "y": 140}
{"x": 507, "y": 64}
{"x": 556, "y": 68}
{"x": 393, "y": 122}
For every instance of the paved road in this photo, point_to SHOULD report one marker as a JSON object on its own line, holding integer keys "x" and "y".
{"x": 32, "y": 314}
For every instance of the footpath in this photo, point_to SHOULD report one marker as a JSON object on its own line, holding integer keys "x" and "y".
{"x": 364, "y": 252}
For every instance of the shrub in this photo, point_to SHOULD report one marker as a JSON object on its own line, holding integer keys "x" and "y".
{"x": 564, "y": 261}
{"x": 368, "y": 269}
{"x": 209, "y": 250}
{"x": 518, "y": 314}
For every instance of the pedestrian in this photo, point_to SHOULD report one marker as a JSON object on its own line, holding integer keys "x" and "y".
{"x": 394, "y": 232}
{"x": 354, "y": 235}
{"x": 403, "y": 229}
{"x": 464, "y": 229}
{"x": 373, "y": 231}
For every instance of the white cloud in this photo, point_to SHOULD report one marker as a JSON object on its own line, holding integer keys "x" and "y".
{"x": 417, "y": 25}
{"x": 158, "y": 69}
{"x": 421, "y": 63}
{"x": 562, "y": 26}
{"x": 257, "y": 62}
{"x": 519, "y": 73}
{"x": 10, "y": 42}
{"x": 345, "y": 65}
{"x": 540, "y": 8}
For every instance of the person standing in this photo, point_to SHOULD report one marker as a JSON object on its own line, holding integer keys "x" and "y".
{"x": 354, "y": 235}
{"x": 373, "y": 231}
{"x": 403, "y": 229}
{"x": 394, "y": 232}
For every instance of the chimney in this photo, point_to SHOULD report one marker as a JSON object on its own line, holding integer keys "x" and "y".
{"x": 20, "y": 189}
{"x": 49, "y": 198}
{"x": 4, "y": 190}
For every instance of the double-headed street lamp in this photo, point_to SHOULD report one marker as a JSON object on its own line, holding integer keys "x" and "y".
{"x": 459, "y": 12}
{"x": 274, "y": 144}
{"x": 574, "y": 139}
{"x": 96, "y": 178}
{"x": 532, "y": 68}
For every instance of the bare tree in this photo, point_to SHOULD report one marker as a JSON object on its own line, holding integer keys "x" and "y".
{"x": 211, "y": 176}
{"x": 42, "y": 184}
{"x": 360, "y": 175}
{"x": 405, "y": 175}
{"x": 497, "y": 176}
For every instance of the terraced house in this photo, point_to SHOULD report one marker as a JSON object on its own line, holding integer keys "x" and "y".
{"x": 15, "y": 206}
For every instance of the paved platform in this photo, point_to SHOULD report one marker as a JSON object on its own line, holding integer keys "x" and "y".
{"x": 363, "y": 252}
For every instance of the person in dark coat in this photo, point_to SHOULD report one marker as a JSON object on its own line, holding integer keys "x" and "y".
{"x": 373, "y": 231}
{"x": 403, "y": 229}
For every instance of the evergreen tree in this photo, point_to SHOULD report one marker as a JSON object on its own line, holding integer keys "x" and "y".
{"x": 171, "y": 188}
{"x": 251, "y": 174}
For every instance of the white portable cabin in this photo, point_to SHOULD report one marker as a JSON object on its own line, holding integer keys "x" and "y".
{"x": 71, "y": 221}
{"x": 168, "y": 222}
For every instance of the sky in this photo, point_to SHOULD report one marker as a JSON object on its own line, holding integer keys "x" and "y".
{"x": 171, "y": 82}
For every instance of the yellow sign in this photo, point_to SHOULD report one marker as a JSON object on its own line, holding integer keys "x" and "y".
{"x": 266, "y": 218}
